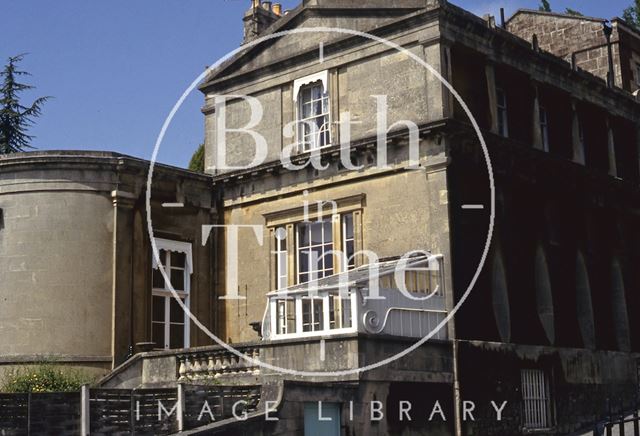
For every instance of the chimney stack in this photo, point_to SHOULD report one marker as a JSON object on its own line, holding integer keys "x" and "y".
{"x": 259, "y": 17}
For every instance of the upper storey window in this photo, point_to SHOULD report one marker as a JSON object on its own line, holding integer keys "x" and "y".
{"x": 544, "y": 128}
{"x": 503, "y": 120}
{"x": 313, "y": 117}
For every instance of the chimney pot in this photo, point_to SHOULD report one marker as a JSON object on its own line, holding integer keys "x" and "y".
{"x": 277, "y": 9}
{"x": 267, "y": 6}
{"x": 255, "y": 3}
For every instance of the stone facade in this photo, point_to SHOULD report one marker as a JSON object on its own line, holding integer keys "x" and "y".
{"x": 567, "y": 133}
{"x": 75, "y": 256}
{"x": 555, "y": 304}
{"x": 581, "y": 41}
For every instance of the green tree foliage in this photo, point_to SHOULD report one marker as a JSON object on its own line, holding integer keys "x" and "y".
{"x": 632, "y": 14}
{"x": 15, "y": 118}
{"x": 545, "y": 6}
{"x": 44, "y": 377}
{"x": 197, "y": 160}
{"x": 570, "y": 11}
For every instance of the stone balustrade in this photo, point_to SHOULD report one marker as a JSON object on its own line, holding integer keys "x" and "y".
{"x": 199, "y": 366}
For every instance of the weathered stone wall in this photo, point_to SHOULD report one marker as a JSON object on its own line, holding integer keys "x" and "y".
{"x": 400, "y": 212}
{"x": 56, "y": 251}
{"x": 75, "y": 259}
{"x": 564, "y": 35}
{"x": 412, "y": 92}
{"x": 584, "y": 384}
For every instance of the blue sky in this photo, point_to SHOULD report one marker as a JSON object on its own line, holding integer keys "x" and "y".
{"x": 115, "y": 68}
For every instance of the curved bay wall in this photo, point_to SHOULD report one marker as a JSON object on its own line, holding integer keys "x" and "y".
{"x": 56, "y": 250}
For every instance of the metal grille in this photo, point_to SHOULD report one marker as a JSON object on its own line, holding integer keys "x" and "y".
{"x": 536, "y": 399}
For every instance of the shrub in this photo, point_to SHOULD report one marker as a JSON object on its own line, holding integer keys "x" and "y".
{"x": 44, "y": 377}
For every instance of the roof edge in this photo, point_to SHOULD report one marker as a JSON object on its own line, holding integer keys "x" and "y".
{"x": 554, "y": 14}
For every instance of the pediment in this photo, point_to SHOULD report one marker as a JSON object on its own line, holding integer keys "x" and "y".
{"x": 314, "y": 14}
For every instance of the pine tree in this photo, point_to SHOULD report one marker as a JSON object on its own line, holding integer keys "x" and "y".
{"x": 15, "y": 118}
{"x": 632, "y": 14}
{"x": 545, "y": 6}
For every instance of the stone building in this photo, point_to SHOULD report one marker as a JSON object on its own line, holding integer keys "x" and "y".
{"x": 549, "y": 323}
{"x": 549, "y": 329}
{"x": 77, "y": 274}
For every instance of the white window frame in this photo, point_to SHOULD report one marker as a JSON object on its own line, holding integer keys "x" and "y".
{"x": 345, "y": 239}
{"x": 326, "y": 327}
{"x": 313, "y": 272}
{"x": 536, "y": 399}
{"x": 503, "y": 112}
{"x": 173, "y": 247}
{"x": 282, "y": 259}
{"x": 544, "y": 128}
{"x": 320, "y": 79}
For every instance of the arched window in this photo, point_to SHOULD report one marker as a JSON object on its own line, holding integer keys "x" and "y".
{"x": 500, "y": 295}
{"x": 584, "y": 306}
{"x": 619, "y": 307}
{"x": 544, "y": 296}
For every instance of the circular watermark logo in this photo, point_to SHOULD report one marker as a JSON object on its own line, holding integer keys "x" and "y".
{"x": 280, "y": 233}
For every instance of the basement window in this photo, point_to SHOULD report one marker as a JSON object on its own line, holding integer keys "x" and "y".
{"x": 536, "y": 399}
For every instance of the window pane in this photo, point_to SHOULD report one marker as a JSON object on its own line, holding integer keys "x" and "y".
{"x": 157, "y": 334}
{"x": 316, "y": 233}
{"x": 281, "y": 317}
{"x": 316, "y": 92}
{"x": 328, "y": 260}
{"x": 306, "y": 93}
{"x": 177, "y": 279}
{"x": 346, "y": 313}
{"x": 348, "y": 226}
{"x": 328, "y": 231}
{"x": 306, "y": 315}
{"x": 303, "y": 262}
{"x": 291, "y": 316}
{"x": 178, "y": 260}
{"x": 315, "y": 261}
{"x": 349, "y": 252}
{"x": 318, "y": 318}
{"x": 306, "y": 110}
{"x": 176, "y": 335}
{"x": 334, "y": 312}
{"x": 303, "y": 234}
{"x": 158, "y": 280}
{"x": 158, "y": 308}
{"x": 176, "y": 312}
